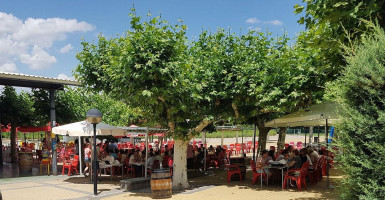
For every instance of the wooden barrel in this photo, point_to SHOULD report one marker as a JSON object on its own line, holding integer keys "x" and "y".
{"x": 161, "y": 184}
{"x": 25, "y": 162}
{"x": 240, "y": 162}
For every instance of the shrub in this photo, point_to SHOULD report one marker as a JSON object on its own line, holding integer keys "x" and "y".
{"x": 361, "y": 92}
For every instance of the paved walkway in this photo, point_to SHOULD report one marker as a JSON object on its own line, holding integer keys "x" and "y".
{"x": 56, "y": 187}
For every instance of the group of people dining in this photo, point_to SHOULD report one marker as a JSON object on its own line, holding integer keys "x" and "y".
{"x": 293, "y": 159}
{"x": 108, "y": 153}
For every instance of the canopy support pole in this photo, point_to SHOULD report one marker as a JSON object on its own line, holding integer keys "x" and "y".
{"x": 254, "y": 135}
{"x": 327, "y": 155}
{"x": 146, "y": 149}
{"x": 243, "y": 152}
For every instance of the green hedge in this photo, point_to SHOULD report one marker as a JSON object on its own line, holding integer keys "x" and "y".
{"x": 361, "y": 92}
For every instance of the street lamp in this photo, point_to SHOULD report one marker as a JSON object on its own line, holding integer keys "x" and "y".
{"x": 94, "y": 116}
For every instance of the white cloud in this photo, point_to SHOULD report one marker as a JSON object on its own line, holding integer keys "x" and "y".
{"x": 8, "y": 67}
{"x": 252, "y": 28}
{"x": 253, "y": 20}
{"x": 31, "y": 40}
{"x": 274, "y": 22}
{"x": 38, "y": 59}
{"x": 64, "y": 77}
{"x": 67, "y": 48}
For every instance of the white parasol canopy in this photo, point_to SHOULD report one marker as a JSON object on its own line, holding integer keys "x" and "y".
{"x": 84, "y": 128}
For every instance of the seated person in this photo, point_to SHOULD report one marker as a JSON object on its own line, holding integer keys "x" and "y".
{"x": 270, "y": 156}
{"x": 284, "y": 155}
{"x": 295, "y": 162}
{"x": 46, "y": 155}
{"x": 136, "y": 162}
{"x": 261, "y": 162}
{"x": 114, "y": 153}
{"x": 109, "y": 159}
{"x": 150, "y": 161}
{"x": 165, "y": 160}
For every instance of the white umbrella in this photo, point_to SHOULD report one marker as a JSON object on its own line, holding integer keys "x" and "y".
{"x": 84, "y": 128}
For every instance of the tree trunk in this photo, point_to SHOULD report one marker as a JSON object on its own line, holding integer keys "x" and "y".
{"x": 13, "y": 144}
{"x": 179, "y": 180}
{"x": 281, "y": 139}
{"x": 262, "y": 136}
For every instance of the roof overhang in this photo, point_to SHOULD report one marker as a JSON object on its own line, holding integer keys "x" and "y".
{"x": 30, "y": 81}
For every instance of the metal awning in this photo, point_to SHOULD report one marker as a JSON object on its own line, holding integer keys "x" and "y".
{"x": 23, "y": 80}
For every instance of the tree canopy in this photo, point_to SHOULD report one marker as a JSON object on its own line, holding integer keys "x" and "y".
{"x": 331, "y": 24}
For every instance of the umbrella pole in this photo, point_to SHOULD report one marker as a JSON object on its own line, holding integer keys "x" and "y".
{"x": 80, "y": 155}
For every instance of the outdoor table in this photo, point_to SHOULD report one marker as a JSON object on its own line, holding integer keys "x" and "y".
{"x": 273, "y": 167}
{"x": 104, "y": 166}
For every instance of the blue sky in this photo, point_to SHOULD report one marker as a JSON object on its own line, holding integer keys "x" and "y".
{"x": 41, "y": 37}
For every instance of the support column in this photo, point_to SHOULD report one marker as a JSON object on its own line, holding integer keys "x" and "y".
{"x": 53, "y": 123}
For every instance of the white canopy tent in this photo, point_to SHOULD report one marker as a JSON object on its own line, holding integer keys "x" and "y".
{"x": 144, "y": 131}
{"x": 84, "y": 128}
{"x": 324, "y": 114}
{"x": 315, "y": 115}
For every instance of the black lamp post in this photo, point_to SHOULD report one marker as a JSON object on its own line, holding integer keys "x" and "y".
{"x": 94, "y": 116}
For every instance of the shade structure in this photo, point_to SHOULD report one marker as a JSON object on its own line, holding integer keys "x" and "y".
{"x": 84, "y": 128}
{"x": 314, "y": 115}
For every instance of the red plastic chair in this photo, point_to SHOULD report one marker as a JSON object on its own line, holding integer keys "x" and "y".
{"x": 256, "y": 174}
{"x": 129, "y": 169}
{"x": 287, "y": 145}
{"x": 71, "y": 165}
{"x": 237, "y": 149}
{"x": 320, "y": 166}
{"x": 313, "y": 174}
{"x": 297, "y": 175}
{"x": 249, "y": 145}
{"x": 233, "y": 169}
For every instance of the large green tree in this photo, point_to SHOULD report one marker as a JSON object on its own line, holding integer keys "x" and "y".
{"x": 149, "y": 68}
{"x": 15, "y": 109}
{"x": 361, "y": 93}
{"x": 254, "y": 77}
